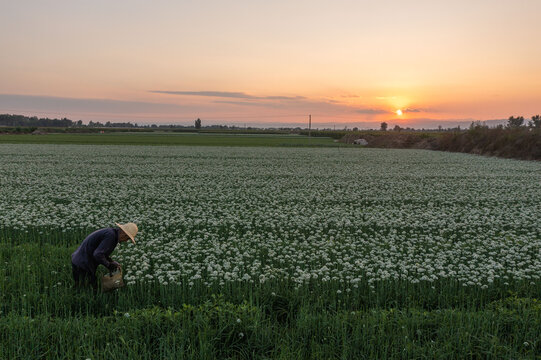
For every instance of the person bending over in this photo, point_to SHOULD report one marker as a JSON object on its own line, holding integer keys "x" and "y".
{"x": 96, "y": 249}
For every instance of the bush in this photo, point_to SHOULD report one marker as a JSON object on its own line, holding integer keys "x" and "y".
{"x": 520, "y": 143}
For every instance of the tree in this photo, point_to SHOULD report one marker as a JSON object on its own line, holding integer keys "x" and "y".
{"x": 535, "y": 122}
{"x": 383, "y": 126}
{"x": 515, "y": 122}
{"x": 198, "y": 124}
{"x": 397, "y": 128}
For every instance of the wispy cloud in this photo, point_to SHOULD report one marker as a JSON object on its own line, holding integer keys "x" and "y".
{"x": 414, "y": 110}
{"x": 245, "y": 103}
{"x": 227, "y": 94}
{"x": 12, "y": 102}
{"x": 282, "y": 97}
{"x": 326, "y": 106}
{"x": 370, "y": 111}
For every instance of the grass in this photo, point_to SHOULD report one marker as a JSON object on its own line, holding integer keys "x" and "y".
{"x": 42, "y": 316}
{"x": 169, "y": 138}
{"x": 217, "y": 329}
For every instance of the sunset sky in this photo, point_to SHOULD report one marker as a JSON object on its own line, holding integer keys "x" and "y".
{"x": 271, "y": 63}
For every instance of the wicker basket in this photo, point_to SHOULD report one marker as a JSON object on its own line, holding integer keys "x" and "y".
{"x": 112, "y": 280}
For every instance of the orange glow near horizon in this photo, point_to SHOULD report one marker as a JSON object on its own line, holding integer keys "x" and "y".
{"x": 234, "y": 63}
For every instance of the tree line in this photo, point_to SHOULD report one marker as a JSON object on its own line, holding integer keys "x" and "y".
{"x": 518, "y": 121}
{"x": 513, "y": 122}
{"x": 21, "y": 120}
{"x": 34, "y": 121}
{"x": 13, "y": 120}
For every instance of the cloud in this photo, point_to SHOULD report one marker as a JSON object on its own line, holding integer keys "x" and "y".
{"x": 312, "y": 106}
{"x": 370, "y": 111}
{"x": 417, "y": 110}
{"x": 273, "y": 111}
{"x": 244, "y": 103}
{"x": 411, "y": 110}
{"x": 281, "y": 97}
{"x": 63, "y": 105}
{"x": 226, "y": 94}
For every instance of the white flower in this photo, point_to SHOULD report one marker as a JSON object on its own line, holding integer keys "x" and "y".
{"x": 438, "y": 224}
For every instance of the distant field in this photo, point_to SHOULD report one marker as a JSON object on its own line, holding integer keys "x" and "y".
{"x": 157, "y": 138}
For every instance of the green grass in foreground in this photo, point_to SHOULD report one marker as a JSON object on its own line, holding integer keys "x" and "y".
{"x": 221, "y": 330}
{"x": 191, "y": 139}
{"x": 43, "y": 317}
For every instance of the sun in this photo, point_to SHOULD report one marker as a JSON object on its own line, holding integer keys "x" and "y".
{"x": 399, "y": 112}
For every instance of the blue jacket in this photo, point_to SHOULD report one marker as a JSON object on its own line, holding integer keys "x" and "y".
{"x": 95, "y": 250}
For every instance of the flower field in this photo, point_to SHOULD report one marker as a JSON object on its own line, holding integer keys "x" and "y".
{"x": 304, "y": 247}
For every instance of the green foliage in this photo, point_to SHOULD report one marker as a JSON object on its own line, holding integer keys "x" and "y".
{"x": 41, "y": 316}
{"x": 218, "y": 329}
{"x": 337, "y": 134}
{"x": 21, "y": 120}
{"x": 535, "y": 122}
{"x": 514, "y": 142}
{"x": 515, "y": 122}
{"x": 190, "y": 139}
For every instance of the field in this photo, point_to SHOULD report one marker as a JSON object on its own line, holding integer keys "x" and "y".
{"x": 172, "y": 138}
{"x": 271, "y": 252}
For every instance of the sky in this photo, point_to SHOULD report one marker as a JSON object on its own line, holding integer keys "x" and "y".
{"x": 272, "y": 63}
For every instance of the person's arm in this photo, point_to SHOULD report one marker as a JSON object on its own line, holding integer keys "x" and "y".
{"x": 112, "y": 261}
{"x": 102, "y": 252}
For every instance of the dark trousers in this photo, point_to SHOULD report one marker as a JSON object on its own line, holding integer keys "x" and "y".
{"x": 81, "y": 276}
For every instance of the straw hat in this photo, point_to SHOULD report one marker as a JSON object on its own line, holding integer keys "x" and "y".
{"x": 130, "y": 229}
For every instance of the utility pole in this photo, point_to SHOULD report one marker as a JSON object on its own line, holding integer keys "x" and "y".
{"x": 309, "y": 125}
